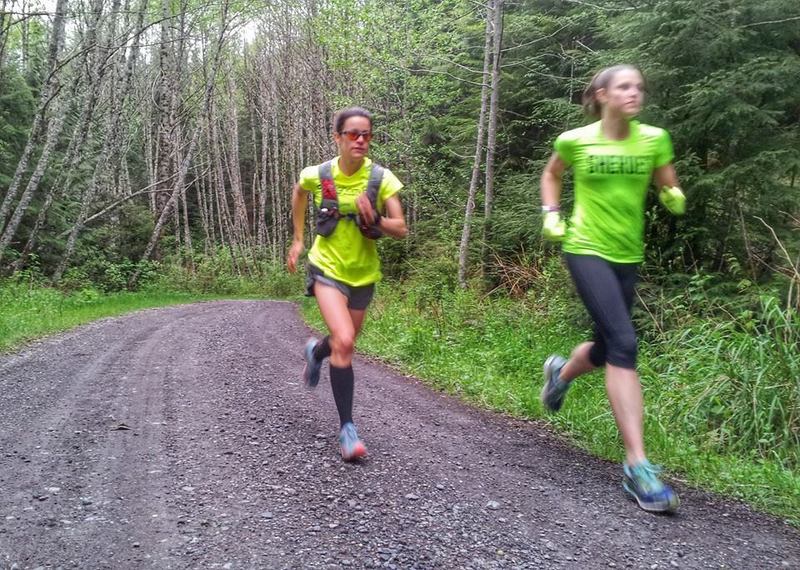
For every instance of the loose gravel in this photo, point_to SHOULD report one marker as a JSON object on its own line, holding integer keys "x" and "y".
{"x": 183, "y": 438}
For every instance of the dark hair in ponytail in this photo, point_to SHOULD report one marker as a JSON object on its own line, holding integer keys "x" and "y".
{"x": 344, "y": 114}
{"x": 601, "y": 80}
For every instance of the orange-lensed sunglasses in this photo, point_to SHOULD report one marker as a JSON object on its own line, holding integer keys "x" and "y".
{"x": 354, "y": 135}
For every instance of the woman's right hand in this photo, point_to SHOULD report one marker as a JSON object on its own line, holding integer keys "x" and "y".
{"x": 294, "y": 254}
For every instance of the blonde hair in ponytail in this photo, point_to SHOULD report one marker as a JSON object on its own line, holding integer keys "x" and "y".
{"x": 601, "y": 80}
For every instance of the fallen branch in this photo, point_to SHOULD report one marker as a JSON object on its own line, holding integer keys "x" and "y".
{"x": 146, "y": 190}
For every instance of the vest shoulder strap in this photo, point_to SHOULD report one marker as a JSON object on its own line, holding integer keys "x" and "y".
{"x": 325, "y": 171}
{"x": 374, "y": 184}
{"x": 328, "y": 211}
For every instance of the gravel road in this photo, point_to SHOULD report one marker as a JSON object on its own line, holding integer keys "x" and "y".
{"x": 183, "y": 438}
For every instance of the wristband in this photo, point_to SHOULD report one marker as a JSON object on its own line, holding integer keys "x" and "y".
{"x": 546, "y": 209}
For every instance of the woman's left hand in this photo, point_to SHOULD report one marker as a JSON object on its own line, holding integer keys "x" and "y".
{"x": 365, "y": 209}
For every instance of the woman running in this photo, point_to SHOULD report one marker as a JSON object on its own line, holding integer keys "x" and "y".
{"x": 614, "y": 160}
{"x": 356, "y": 202}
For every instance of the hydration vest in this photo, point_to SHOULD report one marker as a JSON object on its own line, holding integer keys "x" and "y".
{"x": 328, "y": 214}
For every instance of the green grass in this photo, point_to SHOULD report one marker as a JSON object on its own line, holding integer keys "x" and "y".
{"x": 490, "y": 352}
{"x": 30, "y": 313}
{"x": 30, "y": 310}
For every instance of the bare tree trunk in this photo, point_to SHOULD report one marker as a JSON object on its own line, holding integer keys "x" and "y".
{"x": 164, "y": 107}
{"x": 54, "y": 128}
{"x": 176, "y": 212}
{"x": 187, "y": 237}
{"x": 263, "y": 229}
{"x": 257, "y": 206}
{"x": 226, "y": 224}
{"x": 187, "y": 159}
{"x": 497, "y": 42}
{"x": 24, "y": 33}
{"x": 232, "y": 163}
{"x": 463, "y": 252}
{"x": 205, "y": 213}
{"x": 215, "y": 206}
{"x": 101, "y": 166}
{"x": 3, "y": 30}
{"x": 223, "y": 210}
{"x": 121, "y": 110}
{"x": 117, "y": 182}
{"x": 49, "y": 89}
{"x": 274, "y": 186}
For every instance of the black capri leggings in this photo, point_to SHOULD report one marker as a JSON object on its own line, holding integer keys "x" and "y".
{"x": 607, "y": 289}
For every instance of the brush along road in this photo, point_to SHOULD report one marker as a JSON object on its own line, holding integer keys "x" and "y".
{"x": 184, "y": 438}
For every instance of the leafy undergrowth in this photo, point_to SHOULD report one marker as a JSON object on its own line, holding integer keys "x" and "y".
{"x": 722, "y": 398}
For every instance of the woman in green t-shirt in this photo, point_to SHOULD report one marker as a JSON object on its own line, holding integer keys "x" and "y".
{"x": 614, "y": 160}
{"x": 343, "y": 265}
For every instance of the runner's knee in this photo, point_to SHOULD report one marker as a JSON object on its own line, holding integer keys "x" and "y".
{"x": 343, "y": 343}
{"x": 622, "y": 349}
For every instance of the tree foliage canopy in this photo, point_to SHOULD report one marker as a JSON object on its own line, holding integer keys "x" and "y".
{"x": 255, "y": 85}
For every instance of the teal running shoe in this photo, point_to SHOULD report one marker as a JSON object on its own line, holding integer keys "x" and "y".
{"x": 312, "y": 367}
{"x": 554, "y": 390}
{"x": 641, "y": 482}
{"x": 351, "y": 447}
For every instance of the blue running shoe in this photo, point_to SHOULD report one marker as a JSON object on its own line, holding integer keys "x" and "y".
{"x": 554, "y": 390}
{"x": 642, "y": 483}
{"x": 313, "y": 366}
{"x": 351, "y": 447}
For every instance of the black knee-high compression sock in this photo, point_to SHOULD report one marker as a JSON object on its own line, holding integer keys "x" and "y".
{"x": 342, "y": 384}
{"x": 323, "y": 349}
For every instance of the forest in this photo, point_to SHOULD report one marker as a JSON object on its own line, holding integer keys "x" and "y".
{"x": 145, "y": 142}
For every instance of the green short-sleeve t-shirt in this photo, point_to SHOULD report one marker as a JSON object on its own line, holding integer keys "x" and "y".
{"x": 611, "y": 182}
{"x": 346, "y": 255}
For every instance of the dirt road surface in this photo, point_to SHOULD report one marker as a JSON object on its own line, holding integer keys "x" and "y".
{"x": 183, "y": 438}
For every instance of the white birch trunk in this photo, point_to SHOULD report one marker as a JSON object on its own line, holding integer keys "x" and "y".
{"x": 463, "y": 252}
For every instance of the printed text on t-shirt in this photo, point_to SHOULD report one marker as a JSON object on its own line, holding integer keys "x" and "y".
{"x": 616, "y": 164}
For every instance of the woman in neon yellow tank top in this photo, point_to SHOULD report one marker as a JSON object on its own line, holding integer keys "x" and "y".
{"x": 614, "y": 161}
{"x": 343, "y": 265}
